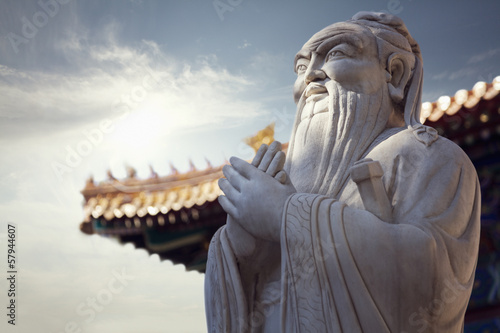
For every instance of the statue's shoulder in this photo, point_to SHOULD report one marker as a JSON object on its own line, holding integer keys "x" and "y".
{"x": 405, "y": 145}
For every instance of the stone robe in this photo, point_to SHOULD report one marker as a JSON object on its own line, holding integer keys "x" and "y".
{"x": 344, "y": 270}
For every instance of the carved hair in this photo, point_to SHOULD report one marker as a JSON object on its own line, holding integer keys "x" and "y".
{"x": 391, "y": 31}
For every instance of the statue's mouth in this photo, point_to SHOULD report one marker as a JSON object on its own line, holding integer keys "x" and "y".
{"x": 315, "y": 89}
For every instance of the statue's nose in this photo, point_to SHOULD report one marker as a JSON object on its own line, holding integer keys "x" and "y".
{"x": 314, "y": 75}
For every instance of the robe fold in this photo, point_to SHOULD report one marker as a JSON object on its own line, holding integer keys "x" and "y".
{"x": 345, "y": 270}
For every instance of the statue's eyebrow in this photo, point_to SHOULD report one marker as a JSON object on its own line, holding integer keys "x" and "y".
{"x": 302, "y": 54}
{"x": 347, "y": 38}
{"x": 328, "y": 44}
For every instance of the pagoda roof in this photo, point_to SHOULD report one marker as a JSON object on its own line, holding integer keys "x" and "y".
{"x": 450, "y": 105}
{"x": 140, "y": 197}
{"x": 470, "y": 118}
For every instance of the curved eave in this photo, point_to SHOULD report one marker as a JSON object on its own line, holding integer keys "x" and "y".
{"x": 450, "y": 105}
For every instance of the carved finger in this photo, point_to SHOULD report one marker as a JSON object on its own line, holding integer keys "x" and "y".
{"x": 276, "y": 164}
{"x": 243, "y": 168}
{"x": 281, "y": 177}
{"x": 233, "y": 177}
{"x": 228, "y": 189}
{"x": 269, "y": 156}
{"x": 228, "y": 206}
{"x": 260, "y": 153}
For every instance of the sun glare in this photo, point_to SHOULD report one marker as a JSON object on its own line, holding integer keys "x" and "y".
{"x": 141, "y": 128}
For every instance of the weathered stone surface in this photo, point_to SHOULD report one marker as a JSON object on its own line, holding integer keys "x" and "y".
{"x": 370, "y": 224}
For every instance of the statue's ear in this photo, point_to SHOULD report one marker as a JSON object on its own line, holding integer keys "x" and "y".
{"x": 398, "y": 74}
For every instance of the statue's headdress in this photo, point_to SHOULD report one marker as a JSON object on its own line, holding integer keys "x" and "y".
{"x": 392, "y": 30}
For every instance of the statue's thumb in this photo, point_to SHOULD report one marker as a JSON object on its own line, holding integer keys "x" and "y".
{"x": 281, "y": 177}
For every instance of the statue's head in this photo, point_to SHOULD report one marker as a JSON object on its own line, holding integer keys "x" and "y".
{"x": 369, "y": 53}
{"x": 355, "y": 79}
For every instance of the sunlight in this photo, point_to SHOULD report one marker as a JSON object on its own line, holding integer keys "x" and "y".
{"x": 141, "y": 128}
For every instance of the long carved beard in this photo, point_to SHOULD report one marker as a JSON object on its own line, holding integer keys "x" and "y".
{"x": 320, "y": 154}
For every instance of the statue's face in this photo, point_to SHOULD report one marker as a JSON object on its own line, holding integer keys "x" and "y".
{"x": 345, "y": 53}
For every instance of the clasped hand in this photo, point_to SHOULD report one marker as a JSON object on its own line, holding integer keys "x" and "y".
{"x": 255, "y": 194}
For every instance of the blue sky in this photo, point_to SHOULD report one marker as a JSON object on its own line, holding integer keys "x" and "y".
{"x": 87, "y": 86}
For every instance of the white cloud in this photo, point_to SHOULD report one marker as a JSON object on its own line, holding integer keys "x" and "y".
{"x": 484, "y": 56}
{"x": 463, "y": 72}
{"x": 108, "y": 78}
{"x": 440, "y": 76}
{"x": 244, "y": 45}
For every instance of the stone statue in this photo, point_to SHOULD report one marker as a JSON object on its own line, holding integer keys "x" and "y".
{"x": 372, "y": 222}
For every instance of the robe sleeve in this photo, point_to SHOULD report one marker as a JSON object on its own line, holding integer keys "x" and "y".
{"x": 225, "y": 303}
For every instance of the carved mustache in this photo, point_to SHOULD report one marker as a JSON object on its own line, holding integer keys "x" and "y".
{"x": 314, "y": 88}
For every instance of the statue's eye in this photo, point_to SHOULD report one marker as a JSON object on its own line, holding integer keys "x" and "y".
{"x": 301, "y": 68}
{"x": 335, "y": 54}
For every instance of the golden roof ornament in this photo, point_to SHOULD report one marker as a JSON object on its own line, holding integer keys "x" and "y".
{"x": 152, "y": 172}
{"x": 173, "y": 169}
{"x": 90, "y": 182}
{"x": 192, "y": 167}
{"x": 110, "y": 175}
{"x": 131, "y": 172}
{"x": 265, "y": 135}
{"x": 209, "y": 165}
